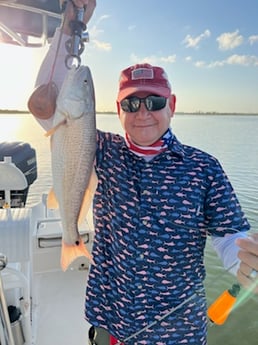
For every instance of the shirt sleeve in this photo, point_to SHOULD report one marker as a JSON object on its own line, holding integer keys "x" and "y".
{"x": 227, "y": 250}
{"x": 223, "y": 212}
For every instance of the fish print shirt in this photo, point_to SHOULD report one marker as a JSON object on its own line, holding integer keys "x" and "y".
{"x": 151, "y": 224}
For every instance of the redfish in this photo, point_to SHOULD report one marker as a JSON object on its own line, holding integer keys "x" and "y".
{"x": 73, "y": 147}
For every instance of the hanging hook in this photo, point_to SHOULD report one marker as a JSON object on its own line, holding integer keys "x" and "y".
{"x": 75, "y": 45}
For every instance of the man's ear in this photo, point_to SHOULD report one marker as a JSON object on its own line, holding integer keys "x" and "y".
{"x": 118, "y": 107}
{"x": 172, "y": 103}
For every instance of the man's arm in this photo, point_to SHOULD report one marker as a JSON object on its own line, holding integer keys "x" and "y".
{"x": 57, "y": 50}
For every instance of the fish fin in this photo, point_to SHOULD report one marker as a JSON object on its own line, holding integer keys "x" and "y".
{"x": 52, "y": 202}
{"x": 70, "y": 252}
{"x": 88, "y": 197}
{"x": 52, "y": 130}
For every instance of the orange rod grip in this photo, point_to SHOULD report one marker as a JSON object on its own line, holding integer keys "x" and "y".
{"x": 219, "y": 310}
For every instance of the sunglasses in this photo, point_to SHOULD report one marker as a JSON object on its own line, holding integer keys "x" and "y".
{"x": 151, "y": 102}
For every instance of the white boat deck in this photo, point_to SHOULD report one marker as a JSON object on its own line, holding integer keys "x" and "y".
{"x": 52, "y": 303}
{"x": 58, "y": 315}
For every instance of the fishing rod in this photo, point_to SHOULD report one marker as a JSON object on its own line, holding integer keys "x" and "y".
{"x": 42, "y": 102}
{"x": 217, "y": 313}
{"x": 220, "y": 309}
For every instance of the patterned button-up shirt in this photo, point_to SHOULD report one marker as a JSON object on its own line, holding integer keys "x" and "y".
{"x": 151, "y": 224}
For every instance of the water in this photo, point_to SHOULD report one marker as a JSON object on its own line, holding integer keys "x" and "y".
{"x": 233, "y": 140}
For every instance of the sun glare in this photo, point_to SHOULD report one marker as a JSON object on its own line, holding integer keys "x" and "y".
{"x": 18, "y": 69}
{"x": 10, "y": 126}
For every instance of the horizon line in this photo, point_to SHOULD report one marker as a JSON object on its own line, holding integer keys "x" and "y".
{"x": 199, "y": 112}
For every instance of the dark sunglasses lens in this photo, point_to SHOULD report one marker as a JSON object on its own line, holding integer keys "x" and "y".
{"x": 135, "y": 104}
{"x": 153, "y": 103}
{"x": 130, "y": 105}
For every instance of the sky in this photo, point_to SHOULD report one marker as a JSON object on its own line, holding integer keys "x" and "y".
{"x": 209, "y": 50}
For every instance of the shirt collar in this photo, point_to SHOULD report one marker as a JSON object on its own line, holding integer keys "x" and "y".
{"x": 175, "y": 148}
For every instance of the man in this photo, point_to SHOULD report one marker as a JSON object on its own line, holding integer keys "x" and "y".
{"x": 155, "y": 204}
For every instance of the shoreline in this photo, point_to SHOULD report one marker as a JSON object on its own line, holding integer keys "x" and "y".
{"x": 7, "y": 111}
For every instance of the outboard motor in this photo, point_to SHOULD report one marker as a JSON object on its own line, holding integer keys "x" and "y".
{"x": 23, "y": 156}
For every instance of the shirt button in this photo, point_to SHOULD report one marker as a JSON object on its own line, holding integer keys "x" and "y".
{"x": 144, "y": 192}
{"x": 142, "y": 256}
{"x": 144, "y": 222}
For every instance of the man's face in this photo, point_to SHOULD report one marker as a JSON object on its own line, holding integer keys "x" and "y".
{"x": 144, "y": 126}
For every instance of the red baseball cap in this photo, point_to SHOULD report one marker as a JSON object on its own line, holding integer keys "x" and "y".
{"x": 143, "y": 77}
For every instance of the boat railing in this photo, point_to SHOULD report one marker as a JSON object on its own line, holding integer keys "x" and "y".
{"x": 28, "y": 26}
{"x": 15, "y": 262}
{"x": 6, "y": 335}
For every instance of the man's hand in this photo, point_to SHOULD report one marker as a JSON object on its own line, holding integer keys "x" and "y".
{"x": 247, "y": 274}
{"x": 70, "y": 12}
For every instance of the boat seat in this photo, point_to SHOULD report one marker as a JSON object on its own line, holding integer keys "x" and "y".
{"x": 48, "y": 242}
{"x": 49, "y": 233}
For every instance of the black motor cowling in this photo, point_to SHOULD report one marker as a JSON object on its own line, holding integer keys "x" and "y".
{"x": 24, "y": 157}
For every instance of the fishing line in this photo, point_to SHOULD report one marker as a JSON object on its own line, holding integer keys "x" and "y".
{"x": 42, "y": 102}
{"x": 64, "y": 9}
{"x": 159, "y": 320}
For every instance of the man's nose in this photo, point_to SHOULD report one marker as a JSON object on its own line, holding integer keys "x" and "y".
{"x": 143, "y": 111}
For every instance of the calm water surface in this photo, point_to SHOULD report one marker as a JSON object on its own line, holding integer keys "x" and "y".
{"x": 234, "y": 141}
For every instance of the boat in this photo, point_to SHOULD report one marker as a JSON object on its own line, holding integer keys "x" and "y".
{"x": 29, "y": 23}
{"x": 39, "y": 303}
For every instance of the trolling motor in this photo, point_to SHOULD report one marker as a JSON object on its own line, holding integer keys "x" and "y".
{"x": 75, "y": 45}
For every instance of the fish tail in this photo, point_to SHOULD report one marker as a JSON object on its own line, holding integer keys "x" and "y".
{"x": 70, "y": 252}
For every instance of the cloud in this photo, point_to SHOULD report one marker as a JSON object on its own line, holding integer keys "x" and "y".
{"x": 149, "y": 59}
{"x": 153, "y": 59}
{"x": 105, "y": 46}
{"x": 240, "y": 60}
{"x": 103, "y": 17}
{"x": 244, "y": 60}
{"x": 200, "y": 64}
{"x": 230, "y": 40}
{"x": 95, "y": 32}
{"x": 193, "y": 42}
{"x": 169, "y": 59}
{"x": 253, "y": 39}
